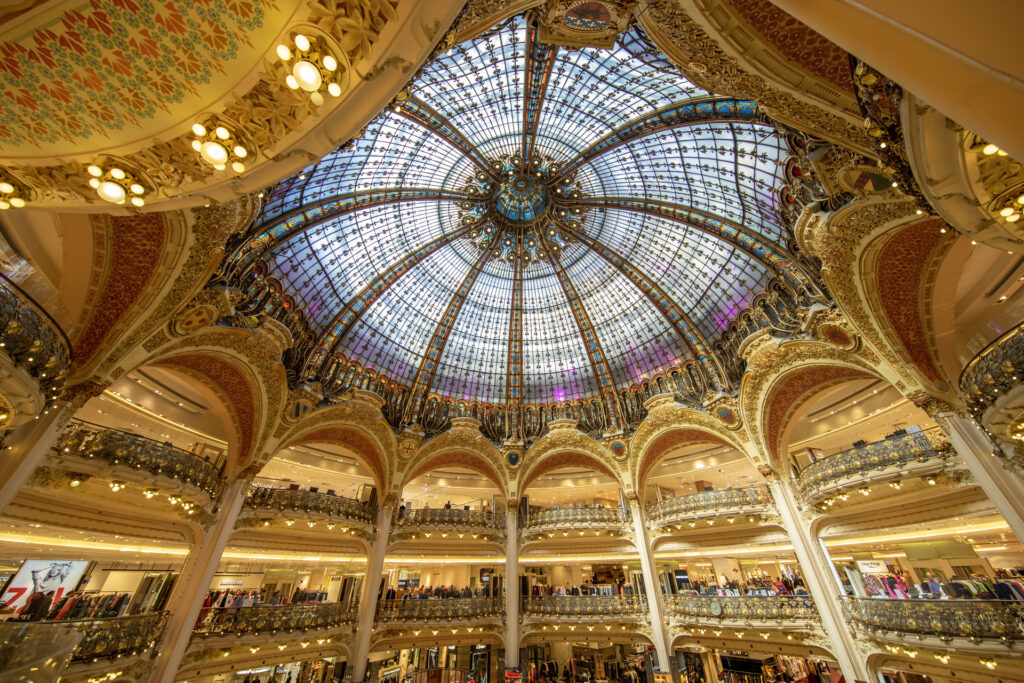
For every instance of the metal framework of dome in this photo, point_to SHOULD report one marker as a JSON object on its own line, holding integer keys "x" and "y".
{"x": 527, "y": 233}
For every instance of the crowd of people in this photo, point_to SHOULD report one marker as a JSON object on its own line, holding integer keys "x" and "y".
{"x": 437, "y": 592}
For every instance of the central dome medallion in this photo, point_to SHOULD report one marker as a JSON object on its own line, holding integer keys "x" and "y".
{"x": 522, "y": 211}
{"x": 521, "y": 198}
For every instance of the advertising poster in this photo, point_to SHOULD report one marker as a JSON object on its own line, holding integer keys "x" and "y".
{"x": 43, "y": 576}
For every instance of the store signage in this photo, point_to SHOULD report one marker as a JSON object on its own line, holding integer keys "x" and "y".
{"x": 42, "y": 576}
{"x": 872, "y": 567}
{"x": 231, "y": 582}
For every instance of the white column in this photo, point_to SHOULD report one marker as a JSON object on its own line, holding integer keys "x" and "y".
{"x": 371, "y": 585}
{"x": 25, "y": 449}
{"x": 820, "y": 581}
{"x": 652, "y": 589}
{"x": 194, "y": 581}
{"x": 1005, "y": 489}
{"x": 512, "y": 586}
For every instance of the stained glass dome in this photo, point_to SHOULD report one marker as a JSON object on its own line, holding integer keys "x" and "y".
{"x": 531, "y": 223}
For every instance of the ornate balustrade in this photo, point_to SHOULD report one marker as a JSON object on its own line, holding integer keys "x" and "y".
{"x": 34, "y": 651}
{"x": 892, "y": 452}
{"x": 444, "y": 609}
{"x": 113, "y": 637}
{"x": 33, "y": 340}
{"x": 584, "y": 605}
{"x": 994, "y": 371}
{"x": 946, "y": 619}
{"x": 261, "y": 497}
{"x": 237, "y": 621}
{"x": 123, "y": 448}
{"x": 571, "y": 517}
{"x": 746, "y": 608}
{"x": 708, "y": 504}
{"x": 448, "y": 518}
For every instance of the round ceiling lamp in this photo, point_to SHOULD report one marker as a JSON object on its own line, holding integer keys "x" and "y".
{"x": 313, "y": 68}
{"x": 219, "y": 146}
{"x": 12, "y": 193}
{"x": 116, "y": 185}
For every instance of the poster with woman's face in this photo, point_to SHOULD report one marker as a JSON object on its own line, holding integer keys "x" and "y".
{"x": 43, "y": 576}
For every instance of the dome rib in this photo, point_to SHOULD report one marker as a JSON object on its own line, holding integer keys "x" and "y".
{"x": 424, "y": 115}
{"x": 424, "y": 377}
{"x": 674, "y": 314}
{"x": 349, "y": 314}
{"x": 540, "y": 62}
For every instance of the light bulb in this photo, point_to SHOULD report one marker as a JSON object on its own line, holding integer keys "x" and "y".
{"x": 4, "y": 205}
{"x": 307, "y": 75}
{"x": 138, "y": 201}
{"x": 93, "y": 183}
{"x": 214, "y": 152}
{"x": 317, "y": 98}
{"x": 237, "y": 166}
{"x": 137, "y": 189}
{"x": 292, "y": 83}
{"x": 197, "y": 145}
{"x": 1006, "y": 212}
{"x": 330, "y": 63}
{"x": 240, "y": 152}
{"x": 222, "y": 133}
{"x": 334, "y": 89}
{"x": 95, "y": 170}
{"x": 199, "y": 129}
{"x": 6, "y": 188}
{"x": 302, "y": 42}
{"x": 111, "y": 192}
{"x": 17, "y": 202}
{"x": 990, "y": 149}
{"x": 117, "y": 173}
{"x": 283, "y": 53}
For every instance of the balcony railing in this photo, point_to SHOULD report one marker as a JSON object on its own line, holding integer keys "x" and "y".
{"x": 575, "y": 516}
{"x": 743, "y": 608}
{"x": 274, "y": 618}
{"x": 122, "y": 448}
{"x": 707, "y": 503}
{"x": 894, "y": 451}
{"x": 945, "y": 619}
{"x": 310, "y": 501}
{"x": 994, "y": 371}
{"x": 584, "y": 605}
{"x": 33, "y": 651}
{"x": 111, "y": 637}
{"x": 33, "y": 339}
{"x": 449, "y": 517}
{"x": 444, "y": 609}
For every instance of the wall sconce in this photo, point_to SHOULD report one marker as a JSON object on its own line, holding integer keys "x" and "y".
{"x": 117, "y": 186}
{"x": 313, "y": 67}
{"x": 218, "y": 146}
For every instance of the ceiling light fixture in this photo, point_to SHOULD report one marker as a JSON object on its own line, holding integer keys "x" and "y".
{"x": 117, "y": 186}
{"x": 219, "y": 146}
{"x": 313, "y": 67}
{"x": 12, "y": 193}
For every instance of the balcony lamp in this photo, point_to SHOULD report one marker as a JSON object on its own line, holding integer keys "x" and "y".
{"x": 219, "y": 146}
{"x": 11, "y": 195}
{"x": 314, "y": 68}
{"x": 117, "y": 186}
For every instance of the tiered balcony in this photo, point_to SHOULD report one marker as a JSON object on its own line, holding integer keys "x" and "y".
{"x": 282, "y": 506}
{"x": 35, "y": 344}
{"x": 974, "y": 621}
{"x": 728, "y": 503}
{"x": 35, "y": 651}
{"x": 913, "y": 454}
{"x": 449, "y": 523}
{"x": 442, "y": 610}
{"x": 559, "y": 522}
{"x": 994, "y": 372}
{"x": 592, "y": 606}
{"x": 129, "y": 452}
{"x": 774, "y": 611}
{"x": 274, "y": 619}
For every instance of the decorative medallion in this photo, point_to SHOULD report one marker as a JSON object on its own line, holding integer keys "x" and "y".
{"x": 618, "y": 449}
{"x": 836, "y": 336}
{"x": 727, "y": 416}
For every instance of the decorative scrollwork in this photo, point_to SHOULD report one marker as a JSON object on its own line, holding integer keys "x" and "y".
{"x": 275, "y": 618}
{"x": 975, "y": 619}
{"x": 445, "y": 609}
{"x": 584, "y": 605}
{"x": 769, "y": 608}
{"x": 725, "y": 501}
{"x": 310, "y": 501}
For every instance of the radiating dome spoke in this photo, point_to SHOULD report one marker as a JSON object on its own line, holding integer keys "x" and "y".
{"x": 420, "y": 112}
{"x": 540, "y": 60}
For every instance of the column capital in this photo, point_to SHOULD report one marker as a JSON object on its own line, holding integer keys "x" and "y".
{"x": 936, "y": 407}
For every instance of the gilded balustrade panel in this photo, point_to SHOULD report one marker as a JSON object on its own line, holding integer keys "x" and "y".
{"x": 111, "y": 637}
{"x": 448, "y": 517}
{"x": 946, "y": 619}
{"x": 994, "y": 371}
{"x": 897, "y": 450}
{"x": 33, "y": 340}
{"x": 34, "y": 651}
{"x": 584, "y": 605}
{"x": 123, "y": 448}
{"x": 779, "y": 608}
{"x": 444, "y": 609}
{"x": 274, "y": 618}
{"x": 575, "y": 516}
{"x": 310, "y": 501}
{"x": 708, "y": 502}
